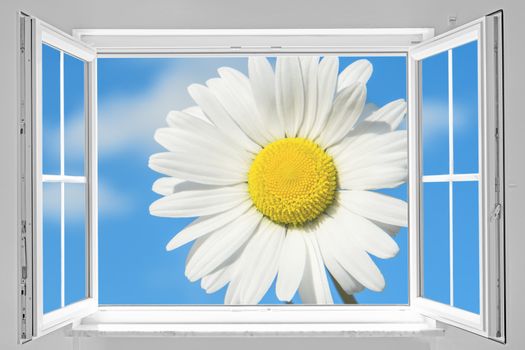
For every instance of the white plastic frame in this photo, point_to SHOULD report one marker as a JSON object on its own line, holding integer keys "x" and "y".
{"x": 44, "y": 33}
{"x": 168, "y": 42}
{"x": 373, "y": 320}
{"x": 490, "y": 321}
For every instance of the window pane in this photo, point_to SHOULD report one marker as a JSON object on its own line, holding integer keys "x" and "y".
{"x": 466, "y": 246}
{"x": 74, "y": 112}
{"x": 75, "y": 242}
{"x": 51, "y": 246}
{"x": 436, "y": 238}
{"x": 465, "y": 91}
{"x": 435, "y": 114}
{"x": 50, "y": 110}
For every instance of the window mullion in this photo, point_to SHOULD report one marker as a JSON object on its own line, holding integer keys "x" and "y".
{"x": 62, "y": 186}
{"x": 451, "y": 172}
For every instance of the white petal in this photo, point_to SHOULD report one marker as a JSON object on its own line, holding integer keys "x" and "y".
{"x": 222, "y": 274}
{"x": 291, "y": 264}
{"x": 369, "y": 109}
{"x": 347, "y": 107}
{"x": 199, "y": 134}
{"x": 180, "y": 142}
{"x": 356, "y": 148}
{"x": 314, "y": 287}
{"x": 207, "y": 224}
{"x": 170, "y": 187}
{"x": 200, "y": 202}
{"x": 351, "y": 257}
{"x": 326, "y": 87}
{"x": 262, "y": 82}
{"x": 217, "y": 279}
{"x": 386, "y": 160}
{"x": 166, "y": 185}
{"x": 392, "y": 230}
{"x": 309, "y": 68}
{"x": 383, "y": 121}
{"x": 197, "y": 112}
{"x": 359, "y": 71}
{"x": 374, "y": 177}
{"x": 259, "y": 261}
{"x": 194, "y": 111}
{"x": 349, "y": 284}
{"x": 237, "y": 99}
{"x": 375, "y": 206}
{"x": 191, "y": 168}
{"x": 222, "y": 244}
{"x": 289, "y": 93}
{"x": 220, "y": 117}
{"x": 233, "y": 293}
{"x": 357, "y": 229}
{"x": 195, "y": 246}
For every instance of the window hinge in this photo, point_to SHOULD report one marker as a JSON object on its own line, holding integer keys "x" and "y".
{"x": 496, "y": 185}
{"x": 22, "y": 128}
{"x": 496, "y": 213}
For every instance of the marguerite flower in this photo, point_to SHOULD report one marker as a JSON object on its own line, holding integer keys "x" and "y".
{"x": 280, "y": 168}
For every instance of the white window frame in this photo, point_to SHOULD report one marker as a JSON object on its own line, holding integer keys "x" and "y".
{"x": 337, "y": 320}
{"x": 34, "y": 322}
{"x": 490, "y": 321}
{"x": 367, "y": 320}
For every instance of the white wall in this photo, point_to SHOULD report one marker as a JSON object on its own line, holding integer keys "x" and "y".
{"x": 69, "y": 14}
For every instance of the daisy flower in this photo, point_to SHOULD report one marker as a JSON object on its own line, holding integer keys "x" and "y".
{"x": 280, "y": 168}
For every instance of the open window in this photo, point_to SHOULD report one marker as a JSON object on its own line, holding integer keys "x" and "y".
{"x": 58, "y": 179}
{"x": 452, "y": 250}
{"x": 456, "y": 176}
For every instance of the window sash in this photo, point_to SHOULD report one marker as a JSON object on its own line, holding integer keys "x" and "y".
{"x": 489, "y": 321}
{"x": 33, "y": 321}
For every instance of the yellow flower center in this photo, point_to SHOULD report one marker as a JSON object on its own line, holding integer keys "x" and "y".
{"x": 292, "y": 181}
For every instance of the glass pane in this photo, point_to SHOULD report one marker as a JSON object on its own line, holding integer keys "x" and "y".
{"x": 436, "y": 238}
{"x": 51, "y": 246}
{"x": 465, "y": 91}
{"x": 435, "y": 114}
{"x": 75, "y": 242}
{"x": 50, "y": 110}
{"x": 74, "y": 112}
{"x": 466, "y": 246}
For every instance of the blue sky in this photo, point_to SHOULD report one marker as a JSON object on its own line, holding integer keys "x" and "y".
{"x": 134, "y": 97}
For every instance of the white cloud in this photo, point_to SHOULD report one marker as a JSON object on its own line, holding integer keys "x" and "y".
{"x": 127, "y": 122}
{"x": 435, "y": 118}
{"x": 110, "y": 201}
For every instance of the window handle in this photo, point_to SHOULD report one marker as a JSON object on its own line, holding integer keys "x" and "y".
{"x": 496, "y": 212}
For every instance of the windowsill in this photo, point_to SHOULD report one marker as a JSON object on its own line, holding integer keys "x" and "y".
{"x": 253, "y": 322}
